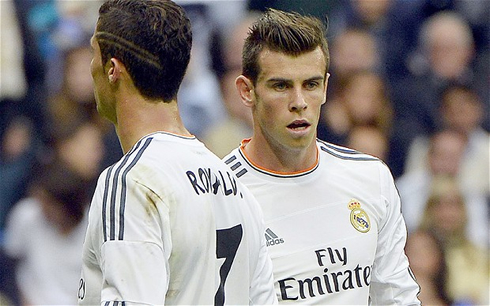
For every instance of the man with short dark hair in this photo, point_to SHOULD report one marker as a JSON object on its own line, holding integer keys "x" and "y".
{"x": 169, "y": 223}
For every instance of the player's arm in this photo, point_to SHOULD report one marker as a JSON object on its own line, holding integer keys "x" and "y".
{"x": 392, "y": 281}
{"x": 134, "y": 256}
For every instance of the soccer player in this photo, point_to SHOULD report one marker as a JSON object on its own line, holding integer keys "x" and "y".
{"x": 169, "y": 223}
{"x": 334, "y": 228}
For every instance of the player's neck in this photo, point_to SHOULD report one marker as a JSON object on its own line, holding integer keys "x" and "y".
{"x": 280, "y": 159}
{"x": 138, "y": 117}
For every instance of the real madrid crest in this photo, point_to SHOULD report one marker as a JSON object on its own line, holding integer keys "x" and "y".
{"x": 358, "y": 217}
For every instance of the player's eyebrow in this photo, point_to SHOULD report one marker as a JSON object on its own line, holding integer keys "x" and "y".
{"x": 314, "y": 78}
{"x": 272, "y": 80}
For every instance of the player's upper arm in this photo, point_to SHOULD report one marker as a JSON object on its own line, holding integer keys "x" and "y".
{"x": 392, "y": 281}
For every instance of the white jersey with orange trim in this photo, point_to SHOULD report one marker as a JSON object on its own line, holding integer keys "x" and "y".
{"x": 335, "y": 232}
{"x": 170, "y": 224}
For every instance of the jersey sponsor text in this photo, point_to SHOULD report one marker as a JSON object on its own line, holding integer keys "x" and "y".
{"x": 327, "y": 282}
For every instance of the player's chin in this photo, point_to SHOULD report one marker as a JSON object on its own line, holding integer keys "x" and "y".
{"x": 301, "y": 142}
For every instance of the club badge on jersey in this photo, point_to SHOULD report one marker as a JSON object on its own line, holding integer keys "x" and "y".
{"x": 358, "y": 217}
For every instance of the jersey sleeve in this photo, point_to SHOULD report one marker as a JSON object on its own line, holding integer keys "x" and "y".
{"x": 134, "y": 256}
{"x": 392, "y": 281}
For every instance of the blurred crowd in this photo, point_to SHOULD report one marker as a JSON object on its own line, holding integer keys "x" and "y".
{"x": 410, "y": 84}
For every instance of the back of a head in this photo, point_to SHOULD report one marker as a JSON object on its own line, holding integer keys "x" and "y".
{"x": 152, "y": 38}
{"x": 286, "y": 32}
{"x": 69, "y": 192}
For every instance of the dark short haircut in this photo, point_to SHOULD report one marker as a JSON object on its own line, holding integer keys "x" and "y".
{"x": 152, "y": 38}
{"x": 70, "y": 192}
{"x": 286, "y": 32}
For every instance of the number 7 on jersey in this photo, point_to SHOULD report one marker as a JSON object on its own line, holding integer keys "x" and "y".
{"x": 227, "y": 243}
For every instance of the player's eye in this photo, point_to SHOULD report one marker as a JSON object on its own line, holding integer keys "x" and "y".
{"x": 312, "y": 85}
{"x": 280, "y": 86}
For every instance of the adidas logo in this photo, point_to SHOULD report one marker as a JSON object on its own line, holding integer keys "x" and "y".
{"x": 272, "y": 239}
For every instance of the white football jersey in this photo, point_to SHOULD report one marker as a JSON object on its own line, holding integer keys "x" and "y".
{"x": 170, "y": 224}
{"x": 335, "y": 232}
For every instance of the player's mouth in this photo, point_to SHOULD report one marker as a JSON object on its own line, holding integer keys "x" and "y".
{"x": 299, "y": 125}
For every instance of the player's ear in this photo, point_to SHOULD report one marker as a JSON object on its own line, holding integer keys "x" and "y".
{"x": 245, "y": 89}
{"x": 114, "y": 70}
{"x": 327, "y": 76}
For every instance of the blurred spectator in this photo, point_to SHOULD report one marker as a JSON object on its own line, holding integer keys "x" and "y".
{"x": 45, "y": 233}
{"x": 78, "y": 19}
{"x": 227, "y": 134}
{"x": 18, "y": 156}
{"x": 468, "y": 266}
{"x": 75, "y": 100}
{"x": 352, "y": 50}
{"x": 9, "y": 291}
{"x": 371, "y": 17}
{"x": 428, "y": 263}
{"x": 446, "y": 150}
{"x": 13, "y": 83}
{"x": 361, "y": 100}
{"x": 47, "y": 27}
{"x": 447, "y": 54}
{"x": 199, "y": 96}
{"x": 224, "y": 15}
{"x": 364, "y": 13}
{"x": 410, "y": 16}
{"x": 444, "y": 36}
{"x": 38, "y": 21}
{"x": 34, "y": 20}
{"x": 78, "y": 144}
{"x": 368, "y": 139}
{"x": 461, "y": 109}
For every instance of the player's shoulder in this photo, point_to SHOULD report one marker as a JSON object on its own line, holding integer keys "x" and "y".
{"x": 234, "y": 154}
{"x": 138, "y": 157}
{"x": 342, "y": 153}
{"x": 236, "y": 162}
{"x": 352, "y": 160}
